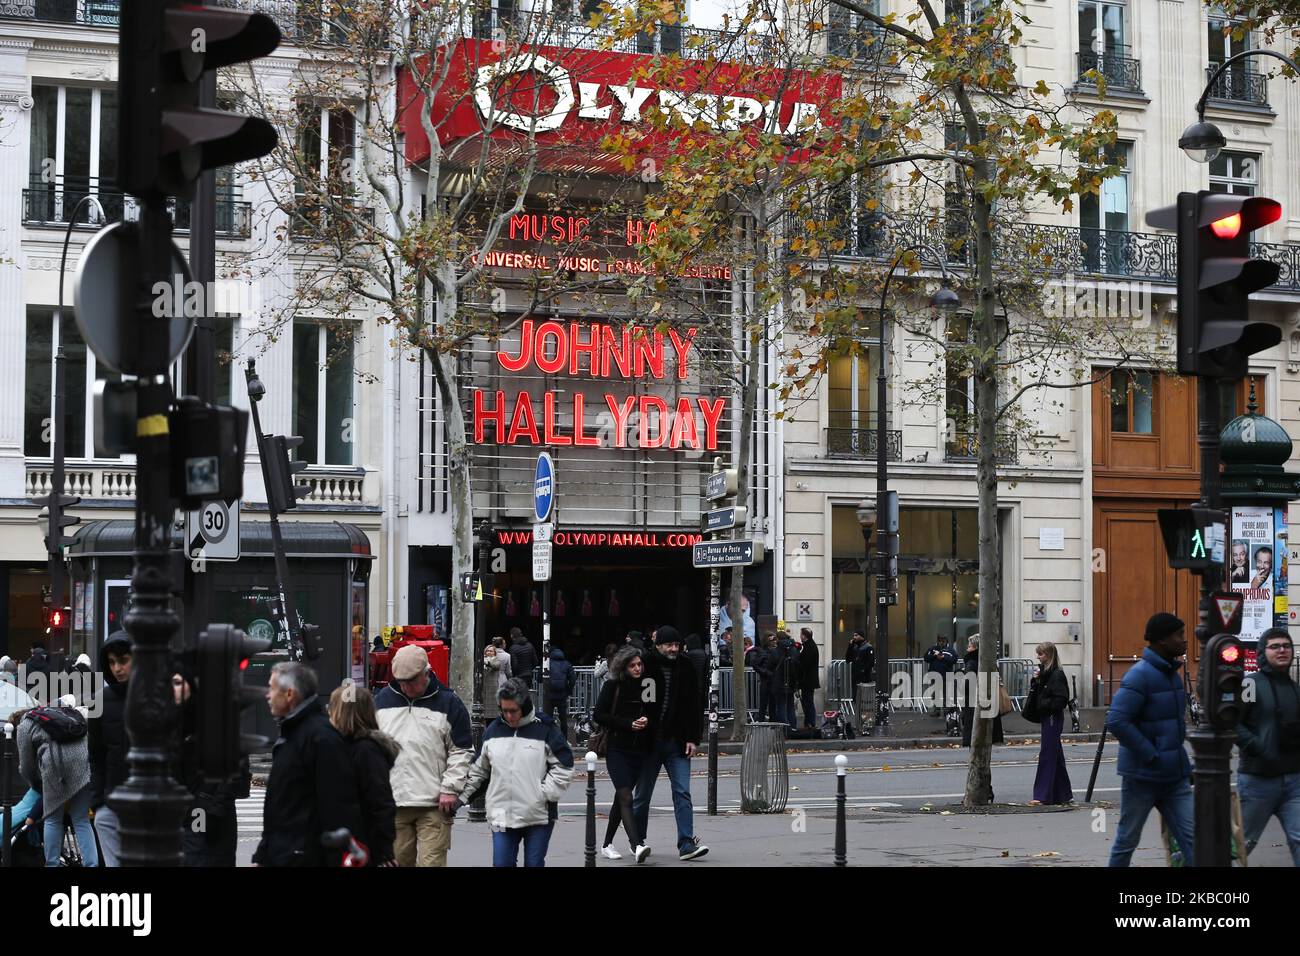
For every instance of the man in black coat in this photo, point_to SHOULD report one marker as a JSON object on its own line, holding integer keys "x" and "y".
{"x": 809, "y": 675}
{"x": 108, "y": 743}
{"x": 523, "y": 657}
{"x": 785, "y": 678}
{"x": 312, "y": 789}
{"x": 861, "y": 658}
{"x": 677, "y": 724}
{"x": 941, "y": 660}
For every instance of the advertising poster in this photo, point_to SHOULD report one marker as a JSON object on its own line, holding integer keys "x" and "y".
{"x": 1252, "y": 567}
{"x": 1281, "y": 552}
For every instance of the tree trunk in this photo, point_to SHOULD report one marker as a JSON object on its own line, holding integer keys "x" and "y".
{"x": 463, "y": 639}
{"x": 748, "y": 412}
{"x": 979, "y": 778}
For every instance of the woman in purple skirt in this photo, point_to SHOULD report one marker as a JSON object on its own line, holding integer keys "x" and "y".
{"x": 1052, "y": 782}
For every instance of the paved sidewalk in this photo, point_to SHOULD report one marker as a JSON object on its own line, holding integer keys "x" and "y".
{"x": 1019, "y": 837}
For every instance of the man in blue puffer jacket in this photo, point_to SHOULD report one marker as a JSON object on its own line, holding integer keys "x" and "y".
{"x": 1147, "y": 718}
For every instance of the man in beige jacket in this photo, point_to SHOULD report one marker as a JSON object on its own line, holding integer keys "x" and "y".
{"x": 433, "y": 727}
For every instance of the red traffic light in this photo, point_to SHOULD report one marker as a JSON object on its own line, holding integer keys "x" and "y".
{"x": 56, "y": 619}
{"x": 1229, "y": 653}
{"x": 243, "y": 665}
{"x": 1227, "y": 227}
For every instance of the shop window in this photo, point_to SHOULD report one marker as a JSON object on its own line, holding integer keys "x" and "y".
{"x": 323, "y": 394}
{"x": 938, "y": 579}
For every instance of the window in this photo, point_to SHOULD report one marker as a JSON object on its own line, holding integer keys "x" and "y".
{"x": 326, "y": 145}
{"x": 1101, "y": 28}
{"x": 1104, "y": 218}
{"x": 956, "y": 218}
{"x": 852, "y": 35}
{"x": 1132, "y": 403}
{"x": 73, "y": 151}
{"x": 224, "y": 366}
{"x": 855, "y": 211}
{"x": 959, "y": 384}
{"x": 493, "y": 16}
{"x": 44, "y": 338}
{"x": 1224, "y": 45}
{"x": 323, "y": 414}
{"x": 1234, "y": 398}
{"x": 1236, "y": 173}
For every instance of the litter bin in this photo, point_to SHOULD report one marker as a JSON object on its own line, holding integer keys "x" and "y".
{"x": 764, "y": 773}
{"x": 865, "y": 701}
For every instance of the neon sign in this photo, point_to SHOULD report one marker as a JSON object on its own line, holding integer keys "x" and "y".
{"x": 605, "y": 352}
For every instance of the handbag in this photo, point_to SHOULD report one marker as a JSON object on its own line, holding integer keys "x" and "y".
{"x": 1004, "y": 701}
{"x": 1030, "y": 710}
{"x": 598, "y": 742}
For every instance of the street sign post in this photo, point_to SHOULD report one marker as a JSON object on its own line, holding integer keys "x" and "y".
{"x": 544, "y": 495}
{"x": 543, "y": 488}
{"x": 727, "y": 554}
{"x": 213, "y": 532}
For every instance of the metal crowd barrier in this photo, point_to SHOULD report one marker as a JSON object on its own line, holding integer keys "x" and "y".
{"x": 1016, "y": 675}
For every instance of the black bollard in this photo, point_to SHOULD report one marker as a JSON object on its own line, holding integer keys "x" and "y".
{"x": 591, "y": 809}
{"x": 1096, "y": 763}
{"x": 6, "y": 781}
{"x": 841, "y": 839}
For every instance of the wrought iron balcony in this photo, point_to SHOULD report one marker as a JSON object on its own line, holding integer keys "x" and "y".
{"x": 90, "y": 13}
{"x": 52, "y": 205}
{"x": 862, "y": 443}
{"x": 868, "y": 46}
{"x": 318, "y": 221}
{"x": 1115, "y": 66}
{"x": 1238, "y": 85}
{"x": 1051, "y": 250}
{"x": 964, "y": 447}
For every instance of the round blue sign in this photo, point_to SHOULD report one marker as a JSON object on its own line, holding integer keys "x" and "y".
{"x": 544, "y": 488}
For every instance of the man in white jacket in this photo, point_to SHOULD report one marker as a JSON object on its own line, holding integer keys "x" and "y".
{"x": 526, "y": 765}
{"x": 433, "y": 727}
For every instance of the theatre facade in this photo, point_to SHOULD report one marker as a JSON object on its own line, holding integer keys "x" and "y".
{"x": 634, "y": 401}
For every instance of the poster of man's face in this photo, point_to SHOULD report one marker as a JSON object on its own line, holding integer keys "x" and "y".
{"x": 1240, "y": 551}
{"x": 1263, "y": 566}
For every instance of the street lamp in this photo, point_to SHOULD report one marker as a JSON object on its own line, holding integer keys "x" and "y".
{"x": 945, "y": 299}
{"x": 1204, "y": 141}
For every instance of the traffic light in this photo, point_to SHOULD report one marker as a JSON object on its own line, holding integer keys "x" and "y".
{"x": 55, "y": 618}
{"x": 1223, "y": 668}
{"x": 164, "y": 49}
{"x": 282, "y": 493}
{"x": 223, "y": 655}
{"x": 56, "y": 520}
{"x": 208, "y": 452}
{"x": 1216, "y": 277}
{"x": 1193, "y": 537}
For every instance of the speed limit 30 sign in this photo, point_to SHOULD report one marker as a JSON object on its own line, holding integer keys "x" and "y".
{"x": 213, "y": 533}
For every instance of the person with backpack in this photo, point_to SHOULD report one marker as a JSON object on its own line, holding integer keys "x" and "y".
{"x": 764, "y": 664}
{"x": 523, "y": 657}
{"x": 53, "y": 758}
{"x": 560, "y": 682}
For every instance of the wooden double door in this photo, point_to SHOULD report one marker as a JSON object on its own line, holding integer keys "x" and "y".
{"x": 1131, "y": 581}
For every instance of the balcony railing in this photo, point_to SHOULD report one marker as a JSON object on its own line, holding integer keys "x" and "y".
{"x": 313, "y": 221}
{"x": 90, "y": 481}
{"x": 964, "y": 447}
{"x": 90, "y": 13}
{"x": 1238, "y": 86}
{"x": 1115, "y": 66}
{"x": 52, "y": 206}
{"x": 1051, "y": 250}
{"x": 862, "y": 443}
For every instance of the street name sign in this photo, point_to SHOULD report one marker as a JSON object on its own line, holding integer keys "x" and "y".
{"x": 726, "y": 554}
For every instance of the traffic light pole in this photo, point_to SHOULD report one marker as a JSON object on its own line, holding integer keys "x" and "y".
{"x": 151, "y": 804}
{"x": 200, "y": 358}
{"x": 1211, "y": 748}
{"x": 478, "y": 807}
{"x": 289, "y": 622}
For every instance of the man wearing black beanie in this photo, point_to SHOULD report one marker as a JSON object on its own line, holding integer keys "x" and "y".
{"x": 1148, "y": 719}
{"x": 677, "y": 719}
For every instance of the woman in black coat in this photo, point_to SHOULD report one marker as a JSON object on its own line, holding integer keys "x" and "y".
{"x": 809, "y": 675}
{"x": 626, "y": 718}
{"x": 972, "y": 660}
{"x": 1052, "y": 782}
{"x": 352, "y": 712}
